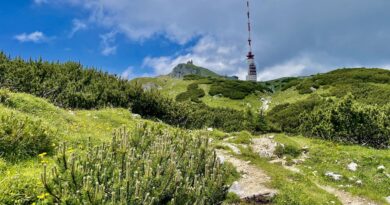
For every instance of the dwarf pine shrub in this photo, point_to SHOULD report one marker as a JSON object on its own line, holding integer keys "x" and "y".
{"x": 21, "y": 136}
{"x": 151, "y": 165}
{"x": 350, "y": 122}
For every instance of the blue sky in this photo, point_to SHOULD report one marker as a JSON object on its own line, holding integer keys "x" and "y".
{"x": 148, "y": 37}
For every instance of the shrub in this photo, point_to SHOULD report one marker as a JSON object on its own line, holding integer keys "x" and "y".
{"x": 22, "y": 137}
{"x": 349, "y": 122}
{"x": 148, "y": 166}
{"x": 191, "y": 115}
{"x": 236, "y": 89}
{"x": 286, "y": 117}
{"x": 193, "y": 93}
{"x": 4, "y": 96}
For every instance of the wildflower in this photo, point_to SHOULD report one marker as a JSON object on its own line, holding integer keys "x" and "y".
{"x": 42, "y": 154}
{"x": 43, "y": 196}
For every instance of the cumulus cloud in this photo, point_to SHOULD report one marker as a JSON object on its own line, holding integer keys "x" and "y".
{"x": 335, "y": 33}
{"x": 202, "y": 54}
{"x": 108, "y": 43}
{"x": 77, "y": 25}
{"x": 35, "y": 37}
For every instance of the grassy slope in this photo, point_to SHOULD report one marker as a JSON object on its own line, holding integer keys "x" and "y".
{"x": 171, "y": 87}
{"x": 75, "y": 127}
{"x": 328, "y": 156}
{"x": 324, "y": 156}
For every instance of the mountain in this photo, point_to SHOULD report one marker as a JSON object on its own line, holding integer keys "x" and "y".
{"x": 189, "y": 68}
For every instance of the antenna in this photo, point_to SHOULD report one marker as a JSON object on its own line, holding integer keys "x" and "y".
{"x": 249, "y": 27}
{"x": 252, "y": 73}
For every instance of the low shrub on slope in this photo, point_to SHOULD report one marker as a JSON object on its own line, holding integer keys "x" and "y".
{"x": 150, "y": 165}
{"x": 22, "y": 137}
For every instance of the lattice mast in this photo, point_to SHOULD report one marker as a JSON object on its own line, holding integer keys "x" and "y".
{"x": 252, "y": 73}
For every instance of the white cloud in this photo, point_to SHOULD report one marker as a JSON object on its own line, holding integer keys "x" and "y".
{"x": 128, "y": 73}
{"x": 35, "y": 37}
{"x": 207, "y": 53}
{"x": 107, "y": 44}
{"x": 78, "y": 25}
{"x": 282, "y": 31}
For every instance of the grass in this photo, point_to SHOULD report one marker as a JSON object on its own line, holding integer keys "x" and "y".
{"x": 328, "y": 156}
{"x": 171, "y": 87}
{"x": 293, "y": 188}
{"x": 20, "y": 180}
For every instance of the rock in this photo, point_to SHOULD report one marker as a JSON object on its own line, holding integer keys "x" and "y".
{"x": 221, "y": 158}
{"x": 305, "y": 149}
{"x": 136, "y": 116}
{"x": 210, "y": 129}
{"x": 264, "y": 198}
{"x": 235, "y": 149}
{"x": 352, "y": 166}
{"x": 334, "y": 176}
{"x": 381, "y": 168}
{"x": 359, "y": 182}
{"x": 71, "y": 112}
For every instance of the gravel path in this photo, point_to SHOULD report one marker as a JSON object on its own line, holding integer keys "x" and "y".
{"x": 252, "y": 186}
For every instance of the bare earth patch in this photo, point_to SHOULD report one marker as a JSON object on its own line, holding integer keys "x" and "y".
{"x": 252, "y": 187}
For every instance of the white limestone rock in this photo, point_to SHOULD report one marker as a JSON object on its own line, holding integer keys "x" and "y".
{"x": 352, "y": 166}
{"x": 334, "y": 176}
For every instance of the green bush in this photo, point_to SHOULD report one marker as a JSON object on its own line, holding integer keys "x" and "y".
{"x": 193, "y": 115}
{"x": 349, "y": 122}
{"x": 193, "y": 93}
{"x": 286, "y": 117}
{"x": 235, "y": 89}
{"x": 151, "y": 165}
{"x": 4, "y": 96}
{"x": 68, "y": 85}
{"x": 22, "y": 137}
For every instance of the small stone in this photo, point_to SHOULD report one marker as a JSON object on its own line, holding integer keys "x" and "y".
{"x": 136, "y": 116}
{"x": 334, "y": 176}
{"x": 381, "y": 167}
{"x": 221, "y": 159}
{"x": 359, "y": 182}
{"x": 210, "y": 129}
{"x": 352, "y": 166}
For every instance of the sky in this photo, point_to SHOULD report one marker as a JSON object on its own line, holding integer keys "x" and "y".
{"x": 140, "y": 38}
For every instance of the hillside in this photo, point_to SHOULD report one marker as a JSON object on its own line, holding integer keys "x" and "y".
{"x": 78, "y": 127}
{"x": 69, "y": 137}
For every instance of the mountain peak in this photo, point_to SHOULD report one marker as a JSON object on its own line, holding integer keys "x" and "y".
{"x": 190, "y": 68}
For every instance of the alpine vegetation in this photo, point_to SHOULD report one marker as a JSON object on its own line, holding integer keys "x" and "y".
{"x": 150, "y": 165}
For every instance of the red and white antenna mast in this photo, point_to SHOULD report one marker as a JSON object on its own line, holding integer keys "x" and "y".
{"x": 252, "y": 73}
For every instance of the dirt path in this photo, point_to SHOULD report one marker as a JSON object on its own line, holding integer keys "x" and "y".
{"x": 252, "y": 185}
